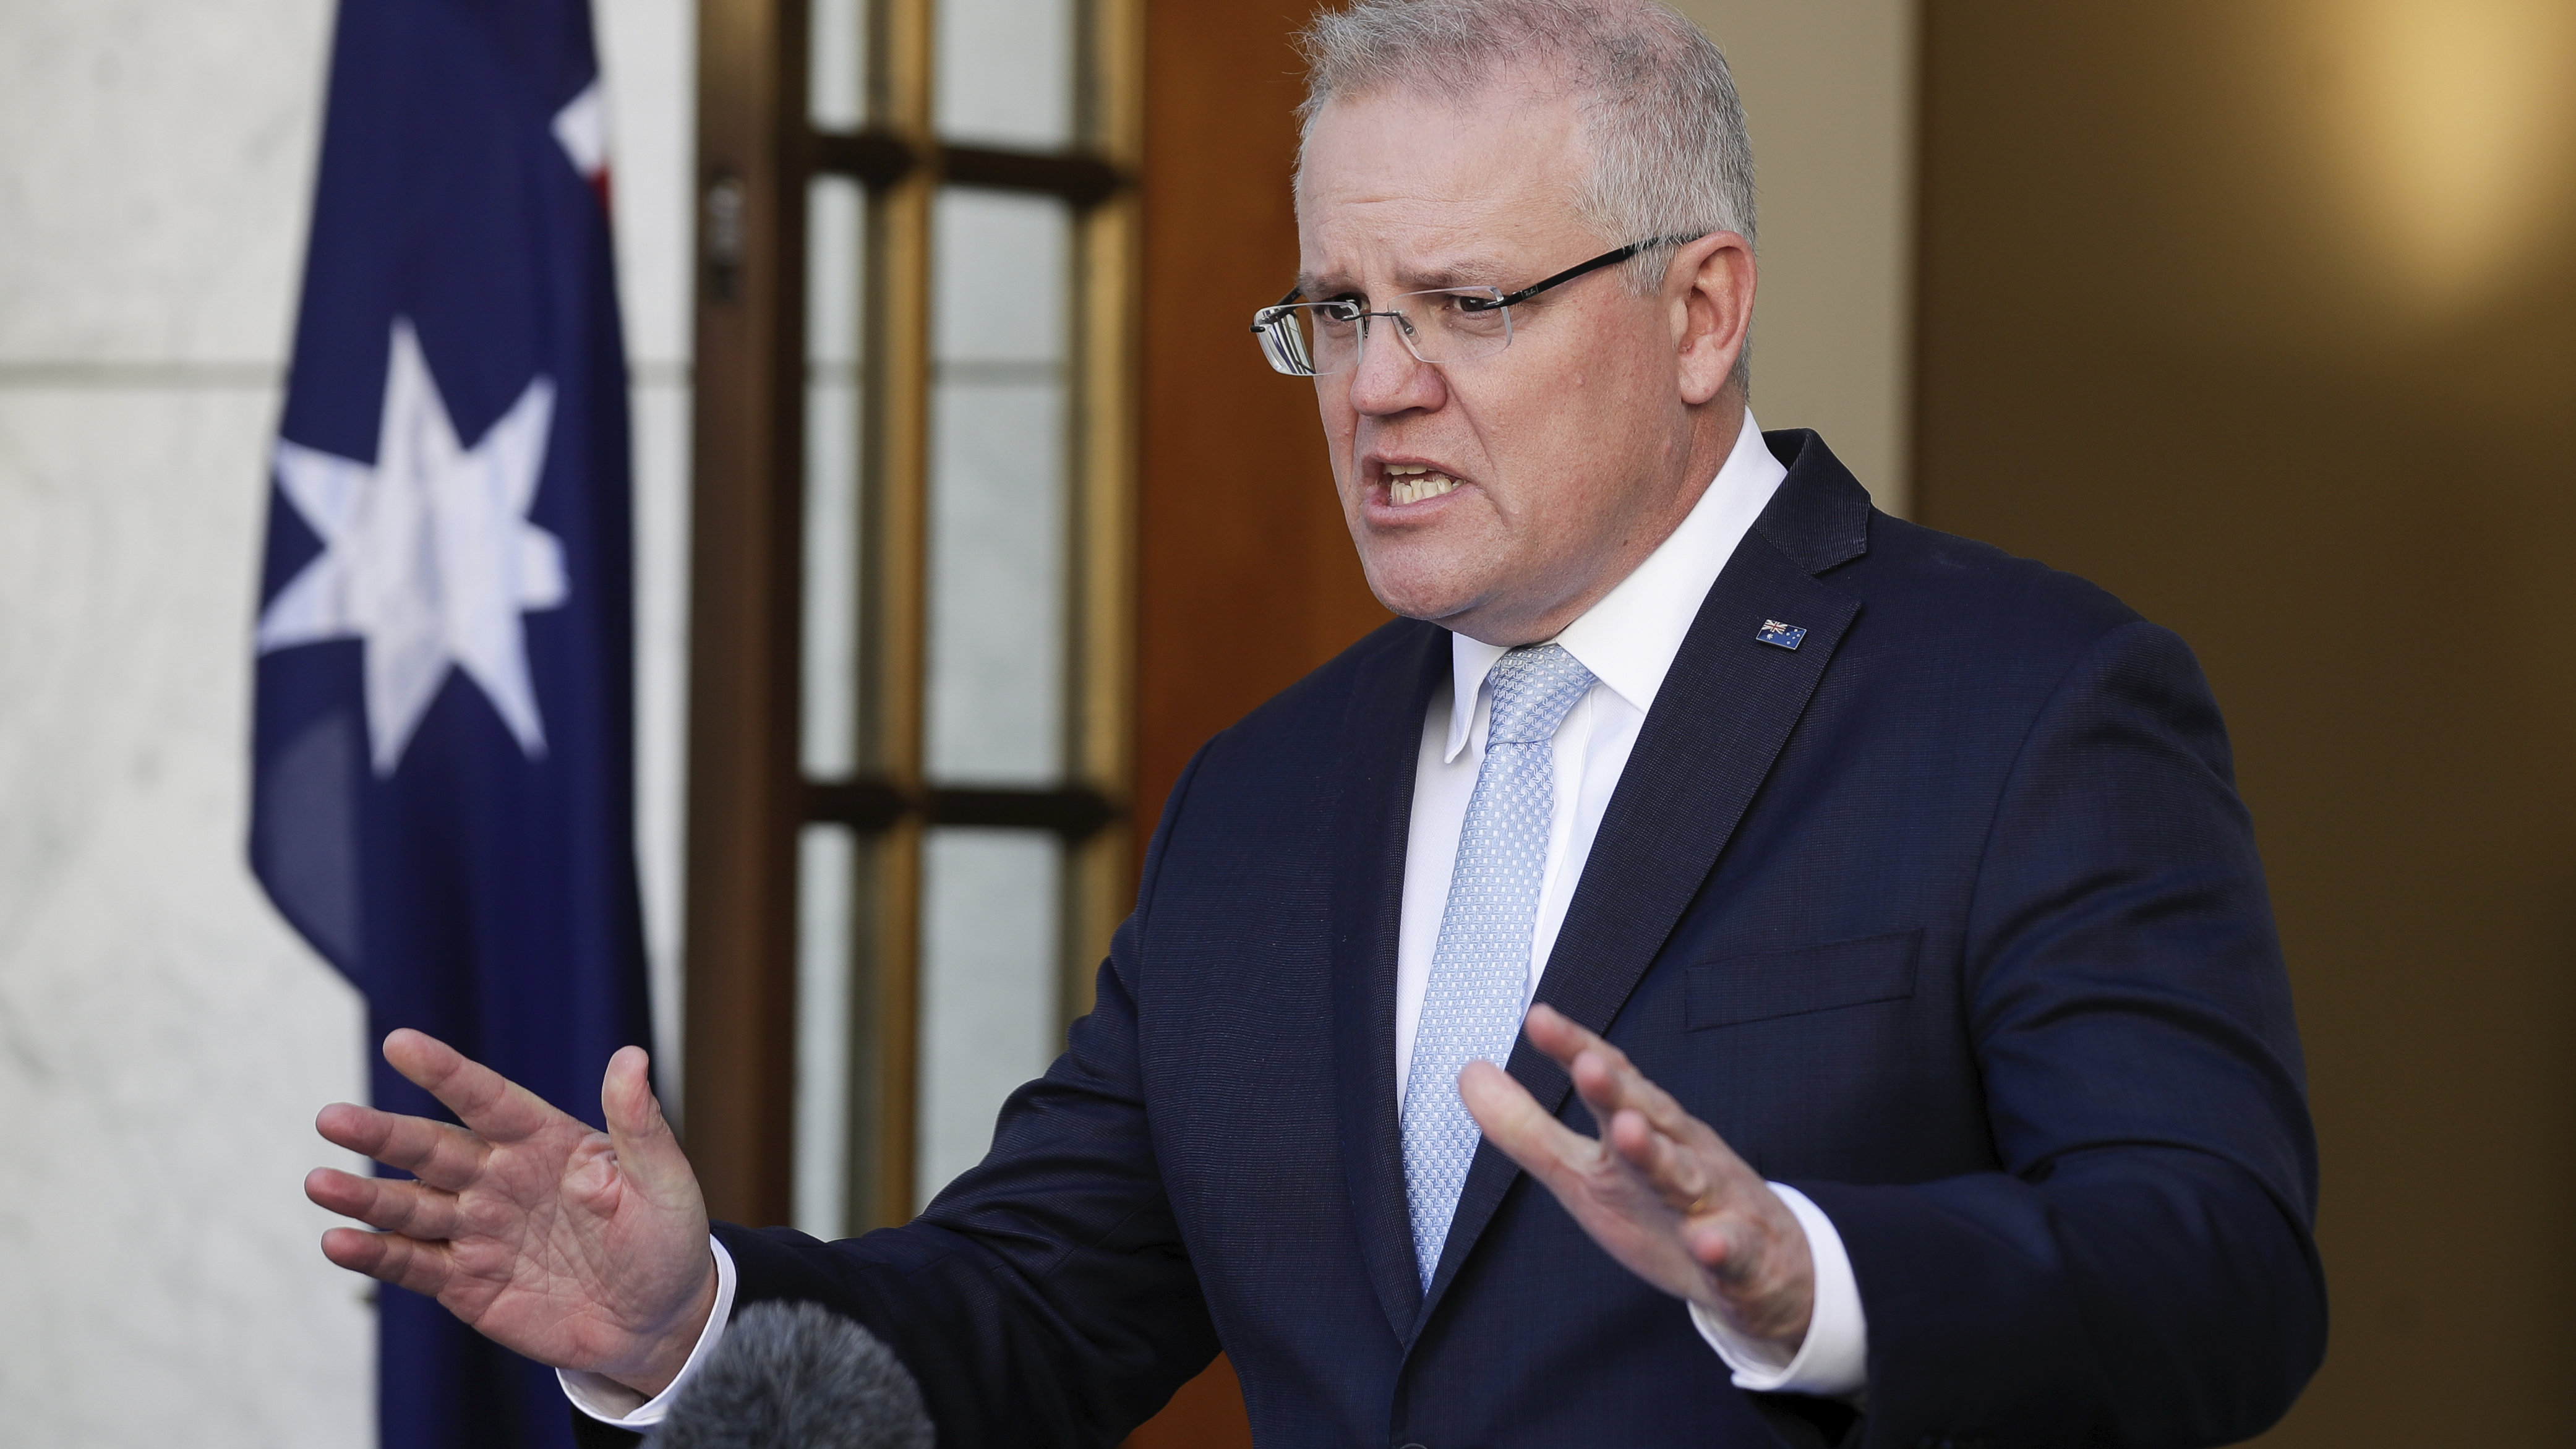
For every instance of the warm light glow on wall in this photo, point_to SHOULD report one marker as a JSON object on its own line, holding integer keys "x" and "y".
{"x": 2454, "y": 125}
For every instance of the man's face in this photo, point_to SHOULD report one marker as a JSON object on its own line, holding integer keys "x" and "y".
{"x": 1571, "y": 450}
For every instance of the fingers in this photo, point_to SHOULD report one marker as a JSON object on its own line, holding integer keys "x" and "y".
{"x": 1514, "y": 1122}
{"x": 423, "y": 1268}
{"x": 1680, "y": 1156}
{"x": 1600, "y": 1071}
{"x": 1717, "y": 1244}
{"x": 388, "y": 1203}
{"x": 1663, "y": 1179}
{"x": 1608, "y": 1081}
{"x": 493, "y": 1105}
{"x": 1721, "y": 1202}
{"x": 436, "y": 1153}
{"x": 1660, "y": 1160}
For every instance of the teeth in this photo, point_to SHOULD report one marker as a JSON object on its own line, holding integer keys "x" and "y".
{"x": 1412, "y": 485}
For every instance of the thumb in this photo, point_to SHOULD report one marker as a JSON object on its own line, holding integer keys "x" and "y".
{"x": 647, "y": 1150}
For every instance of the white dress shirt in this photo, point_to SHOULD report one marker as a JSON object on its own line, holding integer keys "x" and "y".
{"x": 1628, "y": 641}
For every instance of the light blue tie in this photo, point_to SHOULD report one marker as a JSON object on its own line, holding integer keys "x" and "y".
{"x": 1480, "y": 969}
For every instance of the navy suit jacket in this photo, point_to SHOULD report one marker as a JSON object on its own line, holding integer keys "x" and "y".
{"x": 1949, "y": 917}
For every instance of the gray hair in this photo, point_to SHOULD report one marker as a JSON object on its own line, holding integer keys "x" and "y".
{"x": 1670, "y": 157}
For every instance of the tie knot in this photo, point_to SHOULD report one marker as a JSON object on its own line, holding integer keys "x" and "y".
{"x": 1534, "y": 686}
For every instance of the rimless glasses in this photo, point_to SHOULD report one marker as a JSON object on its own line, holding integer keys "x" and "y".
{"x": 1443, "y": 324}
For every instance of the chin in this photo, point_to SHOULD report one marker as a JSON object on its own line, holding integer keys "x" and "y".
{"x": 1416, "y": 592}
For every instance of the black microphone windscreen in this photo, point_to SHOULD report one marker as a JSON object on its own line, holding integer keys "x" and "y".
{"x": 797, "y": 1376}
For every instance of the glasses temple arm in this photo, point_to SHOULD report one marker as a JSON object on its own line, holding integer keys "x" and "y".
{"x": 1608, "y": 258}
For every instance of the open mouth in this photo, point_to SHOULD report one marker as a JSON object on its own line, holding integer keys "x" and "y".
{"x": 1413, "y": 482}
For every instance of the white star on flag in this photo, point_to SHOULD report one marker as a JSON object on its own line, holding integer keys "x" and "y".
{"x": 428, "y": 555}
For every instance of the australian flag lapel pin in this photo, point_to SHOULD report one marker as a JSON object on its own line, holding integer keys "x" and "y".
{"x": 1787, "y": 636}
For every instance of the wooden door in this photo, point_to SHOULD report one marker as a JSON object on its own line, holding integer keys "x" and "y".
{"x": 1247, "y": 578}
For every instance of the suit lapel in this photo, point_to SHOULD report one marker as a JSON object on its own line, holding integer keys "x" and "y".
{"x": 1381, "y": 741}
{"x": 1726, "y": 708}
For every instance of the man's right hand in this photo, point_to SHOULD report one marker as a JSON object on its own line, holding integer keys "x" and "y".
{"x": 576, "y": 1248}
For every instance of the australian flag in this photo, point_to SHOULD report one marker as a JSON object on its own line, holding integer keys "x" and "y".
{"x": 443, "y": 746}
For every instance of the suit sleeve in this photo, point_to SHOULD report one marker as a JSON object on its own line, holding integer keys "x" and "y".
{"x": 2141, "y": 1270}
{"x": 1044, "y": 1297}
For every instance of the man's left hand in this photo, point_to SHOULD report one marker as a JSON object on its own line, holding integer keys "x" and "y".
{"x": 1659, "y": 1190}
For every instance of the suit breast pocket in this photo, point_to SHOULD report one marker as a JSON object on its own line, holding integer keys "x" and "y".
{"x": 1804, "y": 979}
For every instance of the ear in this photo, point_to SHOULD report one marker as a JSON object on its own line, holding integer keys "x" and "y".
{"x": 1709, "y": 291}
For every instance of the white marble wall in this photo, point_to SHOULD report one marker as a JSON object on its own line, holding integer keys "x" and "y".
{"x": 164, "y": 1040}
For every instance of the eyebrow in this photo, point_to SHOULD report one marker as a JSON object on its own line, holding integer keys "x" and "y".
{"x": 1463, "y": 271}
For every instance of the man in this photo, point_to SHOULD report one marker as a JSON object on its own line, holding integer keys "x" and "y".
{"x": 1883, "y": 902}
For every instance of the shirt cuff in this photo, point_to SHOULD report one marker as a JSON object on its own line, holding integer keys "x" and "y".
{"x": 1834, "y": 1359}
{"x": 611, "y": 1402}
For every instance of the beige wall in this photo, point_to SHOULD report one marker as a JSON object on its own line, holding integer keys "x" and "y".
{"x": 2258, "y": 312}
{"x": 1828, "y": 91}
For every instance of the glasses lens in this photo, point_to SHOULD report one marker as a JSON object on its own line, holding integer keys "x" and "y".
{"x": 1317, "y": 339}
{"x": 1283, "y": 341}
{"x": 1456, "y": 324}
{"x": 1309, "y": 339}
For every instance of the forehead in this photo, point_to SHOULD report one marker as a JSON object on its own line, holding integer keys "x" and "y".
{"x": 1436, "y": 190}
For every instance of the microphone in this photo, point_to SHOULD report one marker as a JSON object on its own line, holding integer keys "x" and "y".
{"x": 797, "y": 1376}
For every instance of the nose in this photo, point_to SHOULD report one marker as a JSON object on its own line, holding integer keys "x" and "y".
{"x": 1389, "y": 378}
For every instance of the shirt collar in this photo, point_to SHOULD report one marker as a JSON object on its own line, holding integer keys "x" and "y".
{"x": 1629, "y": 638}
